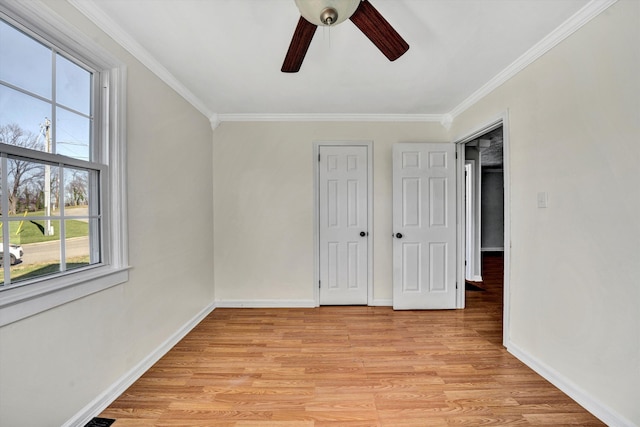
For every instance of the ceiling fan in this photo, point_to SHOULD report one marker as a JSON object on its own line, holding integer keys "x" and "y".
{"x": 333, "y": 12}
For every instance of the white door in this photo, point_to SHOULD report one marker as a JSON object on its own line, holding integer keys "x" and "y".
{"x": 343, "y": 225}
{"x": 424, "y": 226}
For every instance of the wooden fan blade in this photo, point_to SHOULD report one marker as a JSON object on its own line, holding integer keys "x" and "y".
{"x": 379, "y": 31}
{"x": 299, "y": 45}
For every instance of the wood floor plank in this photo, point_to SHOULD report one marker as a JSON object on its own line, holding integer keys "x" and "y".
{"x": 348, "y": 367}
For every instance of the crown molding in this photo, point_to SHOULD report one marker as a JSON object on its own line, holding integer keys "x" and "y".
{"x": 214, "y": 119}
{"x": 332, "y": 117}
{"x": 111, "y": 28}
{"x": 567, "y": 28}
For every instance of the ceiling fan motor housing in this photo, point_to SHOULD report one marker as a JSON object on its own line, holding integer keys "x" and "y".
{"x": 328, "y": 16}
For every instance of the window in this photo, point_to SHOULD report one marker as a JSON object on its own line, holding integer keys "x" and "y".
{"x": 62, "y": 216}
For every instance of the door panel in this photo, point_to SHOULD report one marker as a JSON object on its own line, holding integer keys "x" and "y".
{"x": 343, "y": 217}
{"x": 424, "y": 226}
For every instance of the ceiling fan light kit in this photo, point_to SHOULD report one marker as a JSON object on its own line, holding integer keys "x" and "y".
{"x": 332, "y": 12}
{"x": 327, "y": 12}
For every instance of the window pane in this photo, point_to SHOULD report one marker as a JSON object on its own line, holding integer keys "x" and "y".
{"x": 1, "y": 260}
{"x": 24, "y": 62}
{"x": 40, "y": 253}
{"x": 15, "y": 255}
{"x": 1, "y": 194}
{"x": 76, "y": 192}
{"x": 78, "y": 243}
{"x": 24, "y": 111}
{"x": 73, "y": 86}
{"x": 72, "y": 135}
{"x": 32, "y": 188}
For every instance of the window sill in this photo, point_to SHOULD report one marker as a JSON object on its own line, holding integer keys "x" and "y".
{"x": 25, "y": 301}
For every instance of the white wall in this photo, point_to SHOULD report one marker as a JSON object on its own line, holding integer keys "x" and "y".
{"x": 263, "y": 198}
{"x": 55, "y": 363}
{"x": 574, "y": 120}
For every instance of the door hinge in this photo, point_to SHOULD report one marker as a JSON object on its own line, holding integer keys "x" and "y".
{"x": 319, "y": 284}
{"x": 318, "y": 156}
{"x": 456, "y": 285}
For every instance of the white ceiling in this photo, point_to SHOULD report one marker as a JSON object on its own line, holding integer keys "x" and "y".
{"x": 224, "y": 56}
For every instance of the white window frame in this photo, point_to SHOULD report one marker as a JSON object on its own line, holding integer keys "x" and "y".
{"x": 21, "y": 302}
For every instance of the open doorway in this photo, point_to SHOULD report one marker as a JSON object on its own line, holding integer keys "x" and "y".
{"x": 483, "y": 213}
{"x": 484, "y": 202}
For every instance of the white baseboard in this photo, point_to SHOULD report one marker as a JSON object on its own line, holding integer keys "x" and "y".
{"x": 103, "y": 400}
{"x": 381, "y": 303}
{"x": 597, "y": 408}
{"x": 266, "y": 303}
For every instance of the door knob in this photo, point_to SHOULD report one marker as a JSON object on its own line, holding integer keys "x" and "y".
{"x": 399, "y": 235}
{"x": 363, "y": 233}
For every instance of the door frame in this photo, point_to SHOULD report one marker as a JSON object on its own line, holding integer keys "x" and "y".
{"x": 470, "y": 219}
{"x": 501, "y": 120}
{"x": 475, "y": 264}
{"x": 316, "y": 214}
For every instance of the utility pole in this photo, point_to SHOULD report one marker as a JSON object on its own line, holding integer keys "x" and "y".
{"x": 48, "y": 229}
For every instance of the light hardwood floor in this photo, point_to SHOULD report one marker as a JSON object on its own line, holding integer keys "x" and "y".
{"x": 351, "y": 367}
